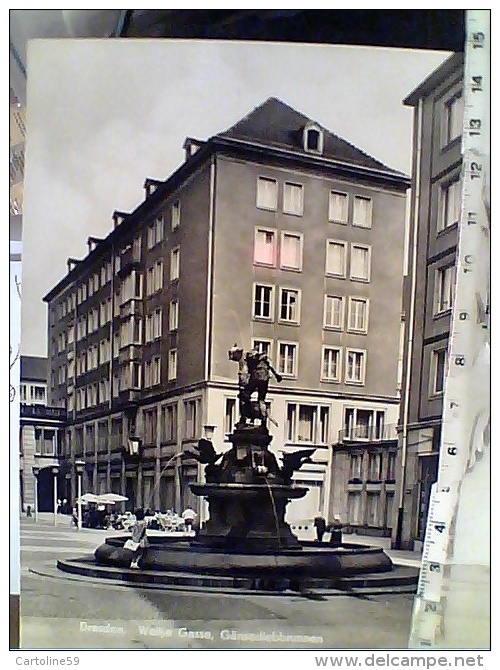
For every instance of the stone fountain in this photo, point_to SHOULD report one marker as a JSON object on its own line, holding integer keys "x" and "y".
{"x": 246, "y": 543}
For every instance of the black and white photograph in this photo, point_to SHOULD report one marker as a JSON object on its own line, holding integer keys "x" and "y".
{"x": 249, "y": 340}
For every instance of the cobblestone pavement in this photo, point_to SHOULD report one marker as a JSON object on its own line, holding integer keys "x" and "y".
{"x": 64, "y": 612}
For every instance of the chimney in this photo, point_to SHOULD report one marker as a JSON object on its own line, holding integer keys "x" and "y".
{"x": 191, "y": 146}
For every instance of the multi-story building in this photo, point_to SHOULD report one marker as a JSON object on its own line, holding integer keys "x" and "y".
{"x": 275, "y": 234}
{"x": 428, "y": 289}
{"x": 39, "y": 438}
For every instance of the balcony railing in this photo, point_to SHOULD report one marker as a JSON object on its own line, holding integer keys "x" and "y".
{"x": 43, "y": 412}
{"x": 368, "y": 434}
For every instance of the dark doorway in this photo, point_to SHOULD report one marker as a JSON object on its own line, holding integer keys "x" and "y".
{"x": 428, "y": 475}
{"x": 46, "y": 490}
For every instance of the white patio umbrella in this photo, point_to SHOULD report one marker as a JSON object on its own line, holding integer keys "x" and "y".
{"x": 111, "y": 498}
{"x": 89, "y": 498}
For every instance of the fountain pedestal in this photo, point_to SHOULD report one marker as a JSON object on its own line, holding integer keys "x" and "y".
{"x": 247, "y": 498}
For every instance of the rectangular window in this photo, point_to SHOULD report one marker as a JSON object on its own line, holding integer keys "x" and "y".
{"x": 289, "y": 305}
{"x": 168, "y": 423}
{"x": 364, "y": 424}
{"x": 358, "y": 315}
{"x": 362, "y": 214}
{"x": 158, "y": 276}
{"x": 307, "y": 423}
{"x": 338, "y": 207}
{"x": 360, "y": 262}
{"x": 355, "y": 366}
{"x": 175, "y": 215}
{"x": 391, "y": 467}
{"x": 150, "y": 426}
{"x": 336, "y": 258}
{"x": 287, "y": 358}
{"x": 155, "y": 232}
{"x": 191, "y": 419}
{"x": 267, "y": 193}
{"x": 453, "y": 118}
{"x": 173, "y": 315}
{"x": 450, "y": 203}
{"x": 135, "y": 375}
{"x": 355, "y": 464}
{"x": 230, "y": 417}
{"x": 157, "y": 324}
{"x": 175, "y": 257}
{"x": 263, "y": 307}
{"x": 331, "y": 367}
{"x": 291, "y": 251}
{"x": 156, "y": 370}
{"x": 333, "y": 312}
{"x": 264, "y": 247}
{"x": 263, "y": 347}
{"x": 374, "y": 467}
{"x": 445, "y": 289}
{"x": 438, "y": 371}
{"x": 293, "y": 199}
{"x": 172, "y": 364}
{"x": 148, "y": 328}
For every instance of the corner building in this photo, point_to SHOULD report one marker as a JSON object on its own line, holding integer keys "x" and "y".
{"x": 274, "y": 234}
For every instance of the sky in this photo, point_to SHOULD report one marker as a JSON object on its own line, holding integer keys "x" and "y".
{"x": 103, "y": 115}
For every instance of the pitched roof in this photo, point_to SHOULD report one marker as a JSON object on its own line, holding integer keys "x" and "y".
{"x": 34, "y": 368}
{"x": 276, "y": 124}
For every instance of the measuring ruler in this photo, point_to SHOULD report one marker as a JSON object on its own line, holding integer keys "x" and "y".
{"x": 468, "y": 342}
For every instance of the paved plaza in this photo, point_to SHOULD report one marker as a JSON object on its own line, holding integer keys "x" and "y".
{"x": 62, "y": 611}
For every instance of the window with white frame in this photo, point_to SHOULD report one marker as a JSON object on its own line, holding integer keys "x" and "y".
{"x": 264, "y": 252}
{"x": 333, "y": 312}
{"x": 173, "y": 315}
{"x": 362, "y": 211}
{"x": 175, "y": 259}
{"x": 147, "y": 374}
{"x": 338, "y": 204}
{"x": 103, "y": 274}
{"x": 438, "y": 363}
{"x": 157, "y": 276}
{"x": 104, "y": 390}
{"x": 289, "y": 305}
{"x": 263, "y": 296}
{"x": 109, "y": 271}
{"x": 156, "y": 370}
{"x": 293, "y": 198}
{"x": 307, "y": 423}
{"x": 45, "y": 442}
{"x": 355, "y": 366}
{"x": 336, "y": 258}
{"x": 450, "y": 203}
{"x": 263, "y": 346}
{"x": 230, "y": 415}
{"x": 157, "y": 324}
{"x": 313, "y": 139}
{"x": 360, "y": 262}
{"x": 135, "y": 374}
{"x": 267, "y": 193}
{"x": 363, "y": 424}
{"x": 453, "y": 118}
{"x": 172, "y": 364}
{"x": 137, "y": 248}
{"x": 104, "y": 351}
{"x": 175, "y": 215}
{"x": 192, "y": 418}
{"x": 168, "y": 423}
{"x": 331, "y": 364}
{"x": 155, "y": 232}
{"x": 390, "y": 474}
{"x": 288, "y": 358}
{"x": 291, "y": 251}
{"x": 358, "y": 315}
{"x": 96, "y": 282}
{"x": 444, "y": 289}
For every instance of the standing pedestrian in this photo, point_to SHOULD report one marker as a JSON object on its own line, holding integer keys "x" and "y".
{"x": 320, "y": 525}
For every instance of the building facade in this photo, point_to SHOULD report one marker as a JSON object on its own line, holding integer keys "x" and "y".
{"x": 428, "y": 289}
{"x": 275, "y": 234}
{"x": 40, "y": 432}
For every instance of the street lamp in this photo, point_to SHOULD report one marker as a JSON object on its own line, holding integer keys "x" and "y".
{"x": 36, "y": 470}
{"x": 79, "y": 465}
{"x": 55, "y": 472}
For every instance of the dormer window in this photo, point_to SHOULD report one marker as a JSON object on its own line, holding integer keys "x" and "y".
{"x": 313, "y": 138}
{"x": 191, "y": 146}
